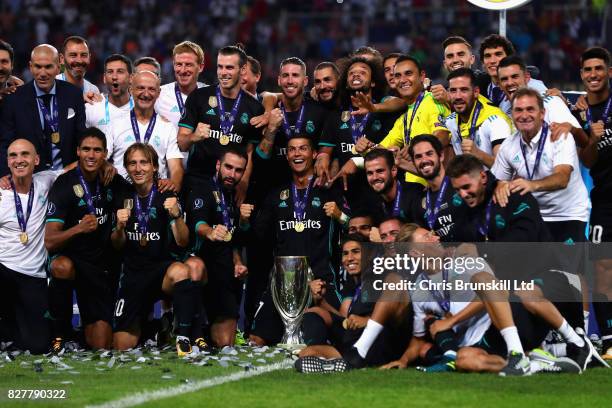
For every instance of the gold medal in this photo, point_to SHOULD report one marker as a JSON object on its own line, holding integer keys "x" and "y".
{"x": 424, "y": 203}
{"x": 23, "y": 238}
{"x": 345, "y": 324}
{"x": 78, "y": 190}
{"x": 217, "y": 196}
{"x": 228, "y": 237}
{"x": 212, "y": 101}
{"x": 284, "y": 194}
{"x": 299, "y": 226}
{"x": 128, "y": 203}
{"x": 143, "y": 240}
{"x": 55, "y": 137}
{"x": 224, "y": 140}
{"x": 346, "y": 115}
{"x": 354, "y": 149}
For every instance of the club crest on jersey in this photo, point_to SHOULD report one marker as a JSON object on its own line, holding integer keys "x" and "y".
{"x": 78, "y": 190}
{"x": 211, "y": 112}
{"x": 457, "y": 201}
{"x": 346, "y": 115}
{"x": 212, "y": 101}
{"x": 310, "y": 127}
{"x": 244, "y": 118}
{"x": 82, "y": 203}
{"x": 376, "y": 125}
{"x": 316, "y": 202}
{"x": 284, "y": 194}
{"x": 500, "y": 222}
{"x": 198, "y": 203}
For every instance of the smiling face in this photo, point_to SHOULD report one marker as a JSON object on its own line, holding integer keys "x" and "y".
{"x": 527, "y": 115}
{"x": 117, "y": 78}
{"x": 145, "y": 89}
{"x": 511, "y": 78}
{"x": 230, "y": 170}
{"x": 300, "y": 155}
{"x": 6, "y": 66}
{"x": 359, "y": 78}
{"x": 325, "y": 82}
{"x": 140, "y": 169}
{"x": 44, "y": 66}
{"x": 595, "y": 75}
{"x": 351, "y": 257}
{"x": 22, "y": 158}
{"x": 463, "y": 94}
{"x": 389, "y": 230}
{"x": 91, "y": 154}
{"x": 229, "y": 71}
{"x": 458, "y": 56}
{"x": 292, "y": 79}
{"x": 380, "y": 176}
{"x": 471, "y": 187}
{"x": 491, "y": 58}
{"x": 76, "y": 59}
{"x": 426, "y": 160}
{"x": 186, "y": 68}
{"x": 408, "y": 79}
{"x": 249, "y": 80}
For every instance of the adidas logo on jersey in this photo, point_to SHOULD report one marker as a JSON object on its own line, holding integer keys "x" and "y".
{"x": 344, "y": 126}
{"x": 211, "y": 112}
{"x": 174, "y": 109}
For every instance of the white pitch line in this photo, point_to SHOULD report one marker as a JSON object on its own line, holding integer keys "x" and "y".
{"x": 146, "y": 396}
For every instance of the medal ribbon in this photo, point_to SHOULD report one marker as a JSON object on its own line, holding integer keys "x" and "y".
{"x": 541, "y": 144}
{"x": 432, "y": 212}
{"x": 442, "y": 298}
{"x": 358, "y": 128}
{"x": 355, "y": 298}
{"x": 149, "y": 130}
{"x": 299, "y": 206}
{"x": 408, "y": 130}
{"x": 227, "y": 121}
{"x": 298, "y": 123}
{"x": 142, "y": 214}
{"x": 472, "y": 131}
{"x": 50, "y": 118}
{"x": 179, "y": 99}
{"x": 21, "y": 218}
{"x": 484, "y": 229}
{"x": 396, "y": 203}
{"x": 606, "y": 111}
{"x": 88, "y": 198}
{"x": 495, "y": 97}
{"x": 227, "y": 215}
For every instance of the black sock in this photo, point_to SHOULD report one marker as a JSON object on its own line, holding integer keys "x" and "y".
{"x": 314, "y": 330}
{"x": 183, "y": 307}
{"x": 445, "y": 340}
{"x": 60, "y": 307}
{"x": 198, "y": 316}
{"x": 603, "y": 315}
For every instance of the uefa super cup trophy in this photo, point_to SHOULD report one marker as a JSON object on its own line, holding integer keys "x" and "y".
{"x": 291, "y": 295}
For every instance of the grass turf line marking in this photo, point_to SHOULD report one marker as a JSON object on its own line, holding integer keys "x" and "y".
{"x": 146, "y": 396}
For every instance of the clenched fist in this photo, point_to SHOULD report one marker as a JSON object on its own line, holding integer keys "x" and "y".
{"x": 172, "y": 206}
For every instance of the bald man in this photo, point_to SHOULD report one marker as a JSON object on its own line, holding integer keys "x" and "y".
{"x": 47, "y": 112}
{"x": 144, "y": 125}
{"x": 23, "y": 281}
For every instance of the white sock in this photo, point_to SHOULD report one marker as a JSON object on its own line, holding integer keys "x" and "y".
{"x": 586, "y": 320}
{"x": 370, "y": 333}
{"x": 512, "y": 339}
{"x": 569, "y": 334}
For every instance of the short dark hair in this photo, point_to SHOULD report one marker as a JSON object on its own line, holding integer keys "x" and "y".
{"x": 464, "y": 164}
{"x": 327, "y": 64}
{"x": 512, "y": 60}
{"x": 122, "y": 58}
{"x": 234, "y": 50}
{"x": 596, "y": 52}
{"x": 528, "y": 92}
{"x": 494, "y": 41}
{"x": 361, "y": 212}
{"x": 406, "y": 57}
{"x": 380, "y": 153}
{"x": 236, "y": 150}
{"x": 294, "y": 61}
{"x": 388, "y": 218}
{"x": 149, "y": 61}
{"x": 366, "y": 49}
{"x": 455, "y": 39}
{"x": 4, "y": 46}
{"x": 74, "y": 39}
{"x": 431, "y": 139}
{"x": 93, "y": 132}
{"x": 355, "y": 238}
{"x": 462, "y": 72}
{"x": 390, "y": 56}
{"x": 302, "y": 135}
{"x": 255, "y": 65}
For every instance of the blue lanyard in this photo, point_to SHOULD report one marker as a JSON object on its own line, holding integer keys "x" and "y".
{"x": 88, "y": 198}
{"x": 441, "y": 298}
{"x": 541, "y": 143}
{"x": 472, "y": 131}
{"x": 298, "y": 123}
{"x": 358, "y": 128}
{"x": 22, "y": 218}
{"x": 142, "y": 214}
{"x": 484, "y": 229}
{"x": 299, "y": 205}
{"x": 606, "y": 111}
{"x": 50, "y": 118}
{"x": 227, "y": 119}
{"x": 228, "y": 220}
{"x": 136, "y": 130}
{"x": 408, "y": 129}
{"x": 432, "y": 212}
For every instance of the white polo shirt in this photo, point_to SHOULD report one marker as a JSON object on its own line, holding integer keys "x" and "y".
{"x": 167, "y": 105}
{"x": 556, "y": 111}
{"x": 163, "y": 140}
{"x": 87, "y": 86}
{"x": 570, "y": 203}
{"x": 101, "y": 114}
{"x": 27, "y": 259}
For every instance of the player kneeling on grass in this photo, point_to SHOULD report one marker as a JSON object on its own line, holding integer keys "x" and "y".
{"x": 324, "y": 324}
{"x": 148, "y": 225}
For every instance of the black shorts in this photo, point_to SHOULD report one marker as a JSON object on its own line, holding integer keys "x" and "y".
{"x": 223, "y": 292}
{"x": 23, "y": 304}
{"x": 93, "y": 288}
{"x": 138, "y": 291}
{"x": 572, "y": 255}
{"x": 267, "y": 323}
{"x": 600, "y": 232}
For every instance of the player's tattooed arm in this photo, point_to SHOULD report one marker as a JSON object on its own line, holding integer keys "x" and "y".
{"x": 267, "y": 143}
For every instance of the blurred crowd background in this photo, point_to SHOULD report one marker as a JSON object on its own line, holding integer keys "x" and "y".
{"x": 549, "y": 34}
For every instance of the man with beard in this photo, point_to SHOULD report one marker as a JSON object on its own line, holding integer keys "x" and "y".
{"x": 424, "y": 115}
{"x": 388, "y": 66}
{"x": 396, "y": 198}
{"x": 144, "y": 125}
{"x": 251, "y": 77}
{"x": 213, "y": 216}
{"x": 513, "y": 75}
{"x": 75, "y": 58}
{"x": 326, "y": 75}
{"x": 476, "y": 127}
{"x": 118, "y": 102}
{"x": 218, "y": 116}
{"x": 188, "y": 63}
{"x": 8, "y": 82}
{"x": 343, "y": 129}
{"x": 596, "y": 69}
{"x": 438, "y": 208}
{"x": 77, "y": 233}
{"x": 302, "y": 220}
